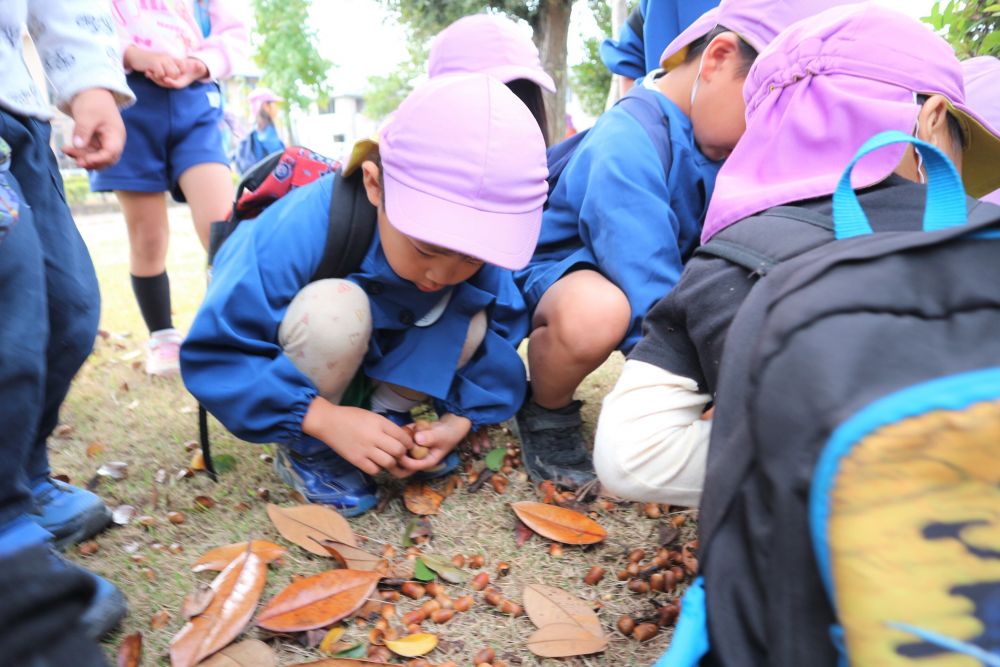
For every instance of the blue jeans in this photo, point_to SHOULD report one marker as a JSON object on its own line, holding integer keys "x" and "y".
{"x": 49, "y": 305}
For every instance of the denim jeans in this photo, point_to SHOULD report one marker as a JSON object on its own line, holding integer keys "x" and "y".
{"x": 49, "y": 305}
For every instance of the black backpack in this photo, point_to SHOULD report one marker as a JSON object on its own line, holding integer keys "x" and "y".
{"x": 351, "y": 224}
{"x": 852, "y": 497}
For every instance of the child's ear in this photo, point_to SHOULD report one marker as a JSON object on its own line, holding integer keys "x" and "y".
{"x": 932, "y": 122}
{"x": 370, "y": 177}
{"x": 721, "y": 52}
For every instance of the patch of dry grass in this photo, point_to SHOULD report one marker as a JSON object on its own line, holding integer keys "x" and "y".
{"x": 146, "y": 422}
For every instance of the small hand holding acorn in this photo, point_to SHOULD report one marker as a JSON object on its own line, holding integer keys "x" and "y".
{"x": 433, "y": 441}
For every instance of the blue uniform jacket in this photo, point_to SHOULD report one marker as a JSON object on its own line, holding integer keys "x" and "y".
{"x": 232, "y": 363}
{"x": 267, "y": 142}
{"x": 614, "y": 209}
{"x": 634, "y": 55}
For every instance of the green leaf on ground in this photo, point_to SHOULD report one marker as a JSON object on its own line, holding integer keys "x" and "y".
{"x": 445, "y": 568}
{"x": 224, "y": 463}
{"x": 494, "y": 460}
{"x": 422, "y": 572}
{"x": 359, "y": 650}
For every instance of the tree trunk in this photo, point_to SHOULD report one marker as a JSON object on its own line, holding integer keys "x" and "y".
{"x": 551, "y": 30}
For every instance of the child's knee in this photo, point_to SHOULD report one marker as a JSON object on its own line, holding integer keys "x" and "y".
{"x": 474, "y": 337}
{"x": 591, "y": 324}
{"x": 326, "y": 330}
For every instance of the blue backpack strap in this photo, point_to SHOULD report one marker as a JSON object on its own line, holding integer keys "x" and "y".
{"x": 945, "y": 194}
{"x": 352, "y": 226}
{"x": 643, "y": 105}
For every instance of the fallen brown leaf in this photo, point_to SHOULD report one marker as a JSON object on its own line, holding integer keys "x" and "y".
{"x": 220, "y": 557}
{"x": 248, "y": 653}
{"x": 558, "y": 523}
{"x": 547, "y": 605}
{"x": 116, "y": 470}
{"x": 130, "y": 650}
{"x": 561, "y": 640}
{"x": 122, "y": 514}
{"x": 95, "y": 448}
{"x": 317, "y": 601}
{"x": 159, "y": 619}
{"x": 354, "y": 558}
{"x": 204, "y": 502}
{"x": 237, "y": 590}
{"x": 421, "y": 499}
{"x": 305, "y": 524}
{"x": 88, "y": 548}
{"x": 197, "y": 601}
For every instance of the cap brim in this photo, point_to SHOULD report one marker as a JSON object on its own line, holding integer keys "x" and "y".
{"x": 508, "y": 73}
{"x": 981, "y": 158}
{"x": 505, "y": 239}
{"x": 362, "y": 148}
{"x": 676, "y": 51}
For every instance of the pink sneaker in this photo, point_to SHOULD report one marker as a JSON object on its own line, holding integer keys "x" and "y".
{"x": 163, "y": 353}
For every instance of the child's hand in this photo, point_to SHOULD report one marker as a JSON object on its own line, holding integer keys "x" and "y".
{"x": 367, "y": 440}
{"x": 438, "y": 438}
{"x": 155, "y": 65}
{"x": 192, "y": 70}
{"x": 98, "y": 133}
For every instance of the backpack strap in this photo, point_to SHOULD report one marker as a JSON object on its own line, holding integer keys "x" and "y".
{"x": 352, "y": 226}
{"x": 643, "y": 105}
{"x": 759, "y": 247}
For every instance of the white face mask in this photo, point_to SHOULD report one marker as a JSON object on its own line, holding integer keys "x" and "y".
{"x": 916, "y": 133}
{"x": 697, "y": 79}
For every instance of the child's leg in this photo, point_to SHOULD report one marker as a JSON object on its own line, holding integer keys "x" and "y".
{"x": 325, "y": 333}
{"x": 148, "y": 235}
{"x": 579, "y": 322}
{"x": 208, "y": 189}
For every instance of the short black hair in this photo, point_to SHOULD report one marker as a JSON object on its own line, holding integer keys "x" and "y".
{"x": 698, "y": 46}
{"x": 530, "y": 93}
{"x": 954, "y": 126}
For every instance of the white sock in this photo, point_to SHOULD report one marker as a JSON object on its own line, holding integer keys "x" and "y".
{"x": 386, "y": 398}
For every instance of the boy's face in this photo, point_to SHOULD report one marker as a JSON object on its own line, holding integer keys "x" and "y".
{"x": 429, "y": 267}
{"x": 718, "y": 116}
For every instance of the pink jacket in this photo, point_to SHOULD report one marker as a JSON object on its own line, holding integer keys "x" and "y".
{"x": 169, "y": 26}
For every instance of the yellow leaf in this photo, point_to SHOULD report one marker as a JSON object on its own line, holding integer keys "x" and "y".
{"x": 331, "y": 638}
{"x": 413, "y": 645}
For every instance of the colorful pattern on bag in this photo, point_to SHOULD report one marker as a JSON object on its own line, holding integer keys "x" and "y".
{"x": 10, "y": 203}
{"x": 297, "y": 167}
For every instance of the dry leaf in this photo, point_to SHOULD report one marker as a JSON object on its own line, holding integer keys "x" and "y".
{"x": 547, "y": 605}
{"x": 122, "y": 514}
{"x": 88, "y": 548}
{"x": 667, "y": 533}
{"x": 95, "y": 448}
{"x": 331, "y": 638}
{"x": 317, "y": 601}
{"x": 561, "y": 640}
{"x": 521, "y": 533}
{"x": 558, "y": 523}
{"x": 204, "y": 502}
{"x": 354, "y": 558}
{"x": 237, "y": 590}
{"x": 130, "y": 650}
{"x": 219, "y": 557}
{"x": 248, "y": 653}
{"x": 62, "y": 431}
{"x": 197, "y": 601}
{"x": 412, "y": 646}
{"x": 197, "y": 461}
{"x": 421, "y": 499}
{"x": 340, "y": 662}
{"x": 305, "y": 524}
{"x": 116, "y": 470}
{"x": 159, "y": 619}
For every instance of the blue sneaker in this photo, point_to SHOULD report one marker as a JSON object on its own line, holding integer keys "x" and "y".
{"x": 446, "y": 466}
{"x": 326, "y": 478}
{"x": 70, "y": 513}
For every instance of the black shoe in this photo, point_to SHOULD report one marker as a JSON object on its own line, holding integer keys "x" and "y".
{"x": 552, "y": 444}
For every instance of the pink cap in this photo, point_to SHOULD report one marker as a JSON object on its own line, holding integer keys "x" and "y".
{"x": 489, "y": 44}
{"x": 756, "y": 21}
{"x": 982, "y": 94}
{"x": 464, "y": 168}
{"x": 261, "y": 96}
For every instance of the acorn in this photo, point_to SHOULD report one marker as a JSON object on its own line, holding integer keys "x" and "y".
{"x": 486, "y": 655}
{"x": 594, "y": 576}
{"x": 434, "y": 589}
{"x": 503, "y": 568}
{"x": 416, "y": 616}
{"x": 636, "y": 555}
{"x": 652, "y": 511}
{"x": 480, "y": 581}
{"x": 626, "y": 625}
{"x": 442, "y": 616}
{"x": 430, "y": 607}
{"x": 458, "y": 560}
{"x": 419, "y": 452}
{"x": 463, "y": 603}
{"x": 657, "y": 582}
{"x": 476, "y": 561}
{"x": 645, "y": 631}
{"x": 667, "y": 615}
{"x": 412, "y": 590}
{"x": 510, "y": 607}
{"x": 493, "y": 597}
{"x": 638, "y": 586}
{"x": 389, "y": 596}
{"x": 556, "y": 550}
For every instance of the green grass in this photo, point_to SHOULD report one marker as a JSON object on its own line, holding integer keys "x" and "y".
{"x": 146, "y": 422}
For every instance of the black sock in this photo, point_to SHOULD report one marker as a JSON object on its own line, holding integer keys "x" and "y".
{"x": 153, "y": 296}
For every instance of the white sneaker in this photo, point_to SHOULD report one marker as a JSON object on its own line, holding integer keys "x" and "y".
{"x": 163, "y": 353}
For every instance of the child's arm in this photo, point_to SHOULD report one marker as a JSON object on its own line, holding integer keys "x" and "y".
{"x": 154, "y": 64}
{"x": 651, "y": 443}
{"x": 227, "y": 46}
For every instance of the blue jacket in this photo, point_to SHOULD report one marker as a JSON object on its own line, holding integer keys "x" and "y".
{"x": 232, "y": 363}
{"x": 614, "y": 209}
{"x": 267, "y": 142}
{"x": 634, "y": 55}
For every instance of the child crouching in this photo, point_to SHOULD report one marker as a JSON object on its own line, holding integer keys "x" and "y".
{"x": 458, "y": 183}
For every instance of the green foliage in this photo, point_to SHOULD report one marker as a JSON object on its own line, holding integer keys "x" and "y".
{"x": 385, "y": 93}
{"x": 77, "y": 188}
{"x": 286, "y": 51}
{"x": 591, "y": 78}
{"x": 972, "y": 27}
{"x": 426, "y": 18}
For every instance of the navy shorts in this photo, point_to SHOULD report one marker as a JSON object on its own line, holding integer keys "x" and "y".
{"x": 169, "y": 131}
